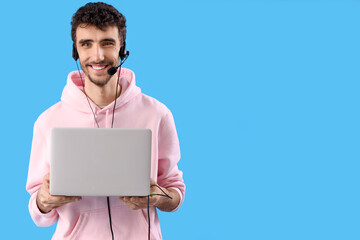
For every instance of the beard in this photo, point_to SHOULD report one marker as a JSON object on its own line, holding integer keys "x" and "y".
{"x": 99, "y": 81}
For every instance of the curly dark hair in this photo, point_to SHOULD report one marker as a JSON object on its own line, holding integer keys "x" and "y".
{"x": 100, "y": 15}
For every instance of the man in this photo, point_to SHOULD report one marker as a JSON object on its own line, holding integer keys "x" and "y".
{"x": 98, "y": 33}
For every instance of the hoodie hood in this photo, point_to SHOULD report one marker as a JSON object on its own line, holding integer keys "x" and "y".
{"x": 74, "y": 96}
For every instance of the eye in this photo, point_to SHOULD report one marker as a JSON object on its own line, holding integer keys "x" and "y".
{"x": 85, "y": 44}
{"x": 108, "y": 44}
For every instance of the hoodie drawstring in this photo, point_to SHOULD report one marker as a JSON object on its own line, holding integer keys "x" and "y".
{"x": 107, "y": 118}
{"x": 94, "y": 122}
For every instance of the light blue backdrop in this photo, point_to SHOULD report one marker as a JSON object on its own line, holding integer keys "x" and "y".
{"x": 265, "y": 96}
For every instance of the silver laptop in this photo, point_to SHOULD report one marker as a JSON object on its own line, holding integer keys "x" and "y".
{"x": 100, "y": 162}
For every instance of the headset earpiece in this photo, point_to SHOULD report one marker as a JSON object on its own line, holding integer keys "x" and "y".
{"x": 75, "y": 53}
{"x": 123, "y": 53}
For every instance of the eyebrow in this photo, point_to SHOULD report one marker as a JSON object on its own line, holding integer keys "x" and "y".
{"x": 85, "y": 40}
{"x": 102, "y": 40}
{"x": 108, "y": 40}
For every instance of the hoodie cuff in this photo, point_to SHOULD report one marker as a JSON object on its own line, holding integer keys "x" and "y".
{"x": 181, "y": 199}
{"x": 41, "y": 219}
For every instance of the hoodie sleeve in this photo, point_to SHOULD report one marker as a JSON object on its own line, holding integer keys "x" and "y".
{"x": 38, "y": 168}
{"x": 169, "y": 175}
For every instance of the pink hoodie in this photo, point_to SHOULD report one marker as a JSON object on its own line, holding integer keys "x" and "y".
{"x": 88, "y": 218}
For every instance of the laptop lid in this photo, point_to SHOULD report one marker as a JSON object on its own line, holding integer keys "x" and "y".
{"x": 100, "y": 162}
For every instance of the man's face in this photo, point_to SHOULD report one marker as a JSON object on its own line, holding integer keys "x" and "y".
{"x": 98, "y": 51}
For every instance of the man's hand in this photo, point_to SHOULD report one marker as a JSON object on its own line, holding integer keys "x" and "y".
{"x": 162, "y": 202}
{"x": 47, "y": 202}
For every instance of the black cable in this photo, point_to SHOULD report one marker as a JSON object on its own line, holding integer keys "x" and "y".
{"x": 148, "y": 204}
{"x": 148, "y": 212}
{"x": 164, "y": 195}
{"x": 121, "y": 63}
{"x": 87, "y": 98}
{"x": 112, "y": 124}
{"x": 117, "y": 84}
{"x": 111, "y": 229}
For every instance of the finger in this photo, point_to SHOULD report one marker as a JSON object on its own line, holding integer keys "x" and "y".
{"x": 44, "y": 191}
{"x": 144, "y": 202}
{"x": 72, "y": 199}
{"x": 69, "y": 197}
{"x": 125, "y": 199}
{"x": 138, "y": 199}
{"x": 66, "y": 201}
{"x": 137, "y": 202}
{"x": 46, "y": 184}
{"x": 46, "y": 178}
{"x": 153, "y": 201}
{"x": 51, "y": 205}
{"x": 154, "y": 189}
{"x": 61, "y": 199}
{"x": 132, "y": 206}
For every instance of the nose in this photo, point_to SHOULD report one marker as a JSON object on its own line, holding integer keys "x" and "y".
{"x": 98, "y": 54}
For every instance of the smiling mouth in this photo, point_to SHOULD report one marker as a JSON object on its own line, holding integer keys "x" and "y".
{"x": 98, "y": 67}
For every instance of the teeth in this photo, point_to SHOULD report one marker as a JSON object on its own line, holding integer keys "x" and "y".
{"x": 98, "y": 68}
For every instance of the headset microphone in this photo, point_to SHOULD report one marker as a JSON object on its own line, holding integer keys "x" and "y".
{"x": 111, "y": 71}
{"x": 123, "y": 54}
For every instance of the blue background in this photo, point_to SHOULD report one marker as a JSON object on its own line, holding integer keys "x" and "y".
{"x": 265, "y": 96}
